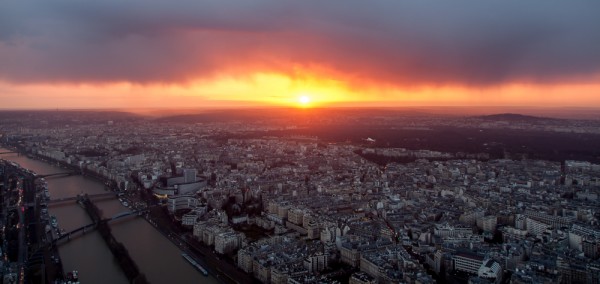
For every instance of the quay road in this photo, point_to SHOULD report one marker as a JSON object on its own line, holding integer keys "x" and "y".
{"x": 141, "y": 239}
{"x": 224, "y": 271}
{"x": 28, "y": 254}
{"x": 15, "y": 182}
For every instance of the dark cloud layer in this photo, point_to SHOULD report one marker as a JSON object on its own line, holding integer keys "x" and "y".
{"x": 398, "y": 42}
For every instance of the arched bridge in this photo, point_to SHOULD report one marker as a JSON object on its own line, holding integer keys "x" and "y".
{"x": 69, "y": 173}
{"x": 74, "y": 198}
{"x": 91, "y": 226}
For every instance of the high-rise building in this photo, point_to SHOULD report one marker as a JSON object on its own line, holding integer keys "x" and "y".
{"x": 189, "y": 175}
{"x": 468, "y": 262}
{"x": 490, "y": 269}
{"x": 317, "y": 262}
{"x": 488, "y": 223}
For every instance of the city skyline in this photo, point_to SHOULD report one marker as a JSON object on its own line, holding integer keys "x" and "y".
{"x": 330, "y": 196}
{"x": 281, "y": 141}
{"x": 205, "y": 54}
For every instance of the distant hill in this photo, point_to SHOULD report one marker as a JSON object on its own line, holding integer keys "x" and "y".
{"x": 289, "y": 113}
{"x": 513, "y": 117}
{"x": 223, "y": 116}
{"x": 70, "y": 117}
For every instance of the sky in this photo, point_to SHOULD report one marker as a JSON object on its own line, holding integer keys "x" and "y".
{"x": 249, "y": 53}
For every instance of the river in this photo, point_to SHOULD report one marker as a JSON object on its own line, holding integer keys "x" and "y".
{"x": 157, "y": 258}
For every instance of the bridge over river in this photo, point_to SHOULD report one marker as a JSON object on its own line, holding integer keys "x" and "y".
{"x": 60, "y": 174}
{"x": 91, "y": 226}
{"x": 79, "y": 197}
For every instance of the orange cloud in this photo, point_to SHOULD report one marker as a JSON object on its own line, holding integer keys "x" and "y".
{"x": 271, "y": 89}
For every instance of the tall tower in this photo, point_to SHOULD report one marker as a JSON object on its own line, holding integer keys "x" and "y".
{"x": 189, "y": 175}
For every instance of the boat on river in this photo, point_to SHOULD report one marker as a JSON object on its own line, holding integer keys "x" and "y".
{"x": 73, "y": 277}
{"x": 194, "y": 263}
{"x": 124, "y": 202}
{"x": 54, "y": 221}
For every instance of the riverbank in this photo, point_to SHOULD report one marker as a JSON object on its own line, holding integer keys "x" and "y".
{"x": 42, "y": 262}
{"x": 83, "y": 171}
{"x": 225, "y": 272}
{"x": 120, "y": 253}
{"x": 129, "y": 267}
{"x": 156, "y": 267}
{"x": 56, "y": 259}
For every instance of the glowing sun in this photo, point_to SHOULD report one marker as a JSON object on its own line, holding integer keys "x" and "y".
{"x": 304, "y": 100}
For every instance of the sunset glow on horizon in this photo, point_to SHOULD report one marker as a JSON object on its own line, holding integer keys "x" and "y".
{"x": 284, "y": 53}
{"x": 278, "y": 92}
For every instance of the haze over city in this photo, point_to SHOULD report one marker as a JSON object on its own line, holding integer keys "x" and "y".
{"x": 207, "y": 54}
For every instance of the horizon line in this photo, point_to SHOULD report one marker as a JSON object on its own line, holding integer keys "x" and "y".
{"x": 293, "y": 107}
